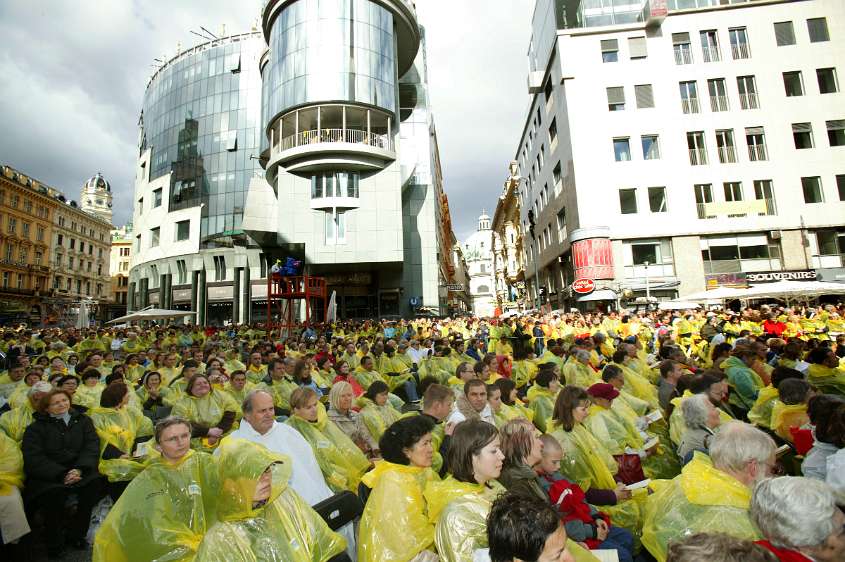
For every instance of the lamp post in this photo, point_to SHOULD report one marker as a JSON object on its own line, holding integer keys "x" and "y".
{"x": 647, "y": 287}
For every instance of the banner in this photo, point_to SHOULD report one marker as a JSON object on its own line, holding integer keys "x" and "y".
{"x": 331, "y": 309}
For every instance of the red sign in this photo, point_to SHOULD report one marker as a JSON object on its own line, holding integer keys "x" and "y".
{"x": 593, "y": 258}
{"x": 584, "y": 286}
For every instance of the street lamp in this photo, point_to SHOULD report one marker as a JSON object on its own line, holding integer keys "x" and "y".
{"x": 534, "y": 259}
{"x": 647, "y": 286}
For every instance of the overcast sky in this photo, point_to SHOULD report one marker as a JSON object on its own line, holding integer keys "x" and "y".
{"x": 74, "y": 72}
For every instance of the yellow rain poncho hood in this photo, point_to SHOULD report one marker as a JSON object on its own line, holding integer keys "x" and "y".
{"x": 395, "y": 523}
{"x": 785, "y": 416}
{"x": 120, "y": 428}
{"x": 541, "y": 400}
{"x": 702, "y": 499}
{"x": 761, "y": 413}
{"x": 15, "y": 421}
{"x": 377, "y": 418}
{"x": 282, "y": 529}
{"x": 163, "y": 514}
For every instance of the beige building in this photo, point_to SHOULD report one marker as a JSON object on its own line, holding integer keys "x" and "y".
{"x": 508, "y": 252}
{"x": 119, "y": 264}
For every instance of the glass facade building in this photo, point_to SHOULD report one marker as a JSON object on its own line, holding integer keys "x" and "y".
{"x": 201, "y": 119}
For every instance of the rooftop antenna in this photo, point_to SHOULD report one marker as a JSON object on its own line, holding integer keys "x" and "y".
{"x": 202, "y": 36}
{"x": 222, "y": 29}
{"x": 210, "y": 33}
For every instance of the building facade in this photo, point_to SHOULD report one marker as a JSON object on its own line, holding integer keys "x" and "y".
{"x": 508, "y": 252}
{"x": 96, "y": 197}
{"x": 478, "y": 253}
{"x": 120, "y": 260}
{"x": 676, "y": 145}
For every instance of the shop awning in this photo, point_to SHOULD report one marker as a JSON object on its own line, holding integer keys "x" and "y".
{"x": 600, "y": 295}
{"x": 152, "y": 314}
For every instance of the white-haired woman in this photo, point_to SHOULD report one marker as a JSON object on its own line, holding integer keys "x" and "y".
{"x": 341, "y": 398}
{"x": 701, "y": 418}
{"x": 799, "y": 519}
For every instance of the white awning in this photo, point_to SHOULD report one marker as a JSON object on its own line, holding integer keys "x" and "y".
{"x": 152, "y": 314}
{"x": 600, "y": 295}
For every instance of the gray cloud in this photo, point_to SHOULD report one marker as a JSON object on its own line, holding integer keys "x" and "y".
{"x": 74, "y": 75}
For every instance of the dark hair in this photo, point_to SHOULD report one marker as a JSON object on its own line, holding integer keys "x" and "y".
{"x": 818, "y": 355}
{"x": 619, "y": 355}
{"x": 471, "y": 383}
{"x": 299, "y": 368}
{"x": 376, "y": 388}
{"x": 91, "y": 374}
{"x": 479, "y": 367}
{"x": 113, "y": 394}
{"x": 437, "y": 393}
{"x": 610, "y": 372}
{"x": 506, "y": 386}
{"x": 545, "y": 377}
{"x": 114, "y": 377}
{"x": 426, "y": 382}
{"x": 703, "y": 382}
{"x": 780, "y": 374}
{"x": 567, "y": 400}
{"x": 836, "y": 427}
{"x": 518, "y": 526}
{"x": 467, "y": 441}
{"x": 793, "y": 391}
{"x": 403, "y": 434}
{"x": 666, "y": 367}
{"x": 66, "y": 378}
{"x": 44, "y": 402}
{"x": 820, "y": 409}
{"x": 719, "y": 350}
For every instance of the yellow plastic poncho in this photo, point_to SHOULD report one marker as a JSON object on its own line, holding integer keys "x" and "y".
{"x": 761, "y": 413}
{"x": 579, "y": 374}
{"x": 826, "y": 379}
{"x": 15, "y": 421}
{"x": 120, "y": 428}
{"x": 523, "y": 372}
{"x": 88, "y": 396}
{"x": 639, "y": 386}
{"x": 395, "y": 526}
{"x": 163, "y": 513}
{"x": 542, "y": 403}
{"x": 701, "y": 499}
{"x": 284, "y": 529}
{"x": 460, "y": 510}
{"x": 785, "y": 416}
{"x": 341, "y": 461}
{"x": 677, "y": 425}
{"x": 11, "y": 465}
{"x": 19, "y": 396}
{"x": 366, "y": 378}
{"x": 280, "y": 390}
{"x": 206, "y": 411}
{"x": 377, "y": 418}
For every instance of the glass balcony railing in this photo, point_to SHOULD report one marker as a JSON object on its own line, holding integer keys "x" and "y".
{"x": 353, "y": 136}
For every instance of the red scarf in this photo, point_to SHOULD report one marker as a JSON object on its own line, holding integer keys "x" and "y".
{"x": 783, "y": 554}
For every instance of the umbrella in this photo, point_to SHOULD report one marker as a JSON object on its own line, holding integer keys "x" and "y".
{"x": 677, "y": 305}
{"x": 720, "y": 293}
{"x": 152, "y": 314}
{"x": 792, "y": 289}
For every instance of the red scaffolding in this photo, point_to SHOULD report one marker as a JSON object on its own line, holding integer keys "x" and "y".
{"x": 284, "y": 295}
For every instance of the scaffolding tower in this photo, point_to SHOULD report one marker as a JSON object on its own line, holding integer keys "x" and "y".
{"x": 286, "y": 294}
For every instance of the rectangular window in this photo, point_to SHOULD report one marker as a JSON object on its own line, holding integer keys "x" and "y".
{"x": 628, "y": 201}
{"x": 755, "y": 138}
{"x": 802, "y": 135}
{"x": 219, "y": 268}
{"x": 141, "y": 206}
{"x": 703, "y": 195}
{"x": 621, "y": 149}
{"x": 335, "y": 228}
{"x": 657, "y": 199}
{"x": 651, "y": 147}
{"x": 231, "y": 140}
{"x": 157, "y": 198}
{"x": 836, "y": 132}
{"x": 793, "y": 83}
{"x": 12, "y": 225}
{"x": 697, "y": 148}
{"x": 637, "y": 48}
{"x": 72, "y": 243}
{"x": 718, "y": 94}
{"x": 817, "y": 28}
{"x": 25, "y": 232}
{"x": 681, "y": 47}
{"x": 747, "y": 87}
{"x": 181, "y": 272}
{"x": 812, "y": 188}
{"x": 840, "y": 186}
{"x": 784, "y": 33}
{"x": 183, "y": 230}
{"x": 553, "y": 134}
{"x": 710, "y": 45}
{"x": 732, "y": 190}
{"x": 644, "y": 95}
{"x": 39, "y": 234}
{"x": 616, "y": 98}
{"x": 763, "y": 192}
{"x": 561, "y": 225}
{"x": 610, "y": 50}
{"x": 689, "y": 96}
{"x": 739, "y": 43}
{"x": 642, "y": 254}
{"x": 557, "y": 179}
{"x": 154, "y": 236}
{"x": 725, "y": 146}
{"x": 59, "y": 239}
{"x": 827, "y": 80}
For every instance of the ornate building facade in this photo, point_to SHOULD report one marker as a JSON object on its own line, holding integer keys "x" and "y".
{"x": 508, "y": 251}
{"x": 478, "y": 253}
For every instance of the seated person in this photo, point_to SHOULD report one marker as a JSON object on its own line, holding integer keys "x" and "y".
{"x": 790, "y": 408}
{"x": 348, "y": 420}
{"x": 717, "y": 547}
{"x": 376, "y": 411}
{"x": 701, "y": 419}
{"x": 211, "y": 412}
{"x": 13, "y": 523}
{"x": 820, "y": 409}
{"x": 472, "y": 404}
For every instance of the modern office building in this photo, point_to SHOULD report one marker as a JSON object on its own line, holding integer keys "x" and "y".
{"x": 354, "y": 187}
{"x": 678, "y": 144}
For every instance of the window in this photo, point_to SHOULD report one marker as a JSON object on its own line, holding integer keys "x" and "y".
{"x": 689, "y": 96}
{"x": 836, "y": 132}
{"x": 657, "y": 199}
{"x": 557, "y": 179}
{"x": 547, "y": 90}
{"x": 802, "y": 135}
{"x": 651, "y": 147}
{"x": 644, "y": 95}
{"x": 335, "y": 228}
{"x": 628, "y": 201}
{"x": 642, "y": 254}
{"x": 703, "y": 195}
{"x": 544, "y": 195}
{"x": 183, "y": 230}
{"x": 763, "y": 192}
{"x": 231, "y": 140}
{"x": 681, "y": 46}
{"x": 12, "y": 225}
{"x": 25, "y": 232}
{"x": 219, "y": 268}
{"x": 739, "y": 43}
{"x": 817, "y": 28}
{"x": 756, "y": 141}
{"x": 784, "y": 34}
{"x": 70, "y": 262}
{"x": 732, "y": 190}
{"x": 81, "y": 246}
{"x": 553, "y": 134}
{"x": 621, "y": 149}
{"x": 154, "y": 236}
{"x": 561, "y": 225}
{"x": 725, "y": 146}
{"x": 718, "y": 94}
{"x": 812, "y": 188}
{"x": 157, "y": 198}
{"x": 827, "y": 80}
{"x": 181, "y": 272}
{"x": 637, "y": 48}
{"x": 616, "y": 98}
{"x": 840, "y": 186}
{"x": 15, "y": 201}
{"x": 697, "y": 149}
{"x": 39, "y": 234}
{"x": 27, "y": 206}
{"x": 335, "y": 184}
{"x": 793, "y": 83}
{"x": 747, "y": 87}
{"x": 38, "y": 257}
{"x": 59, "y": 258}
{"x": 610, "y": 50}
{"x": 710, "y": 45}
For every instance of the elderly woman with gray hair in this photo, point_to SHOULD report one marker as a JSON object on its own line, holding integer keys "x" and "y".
{"x": 799, "y": 519}
{"x": 341, "y": 398}
{"x": 701, "y": 419}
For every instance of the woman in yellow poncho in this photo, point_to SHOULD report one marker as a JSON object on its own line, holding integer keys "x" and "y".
{"x": 341, "y": 461}
{"x": 577, "y": 370}
{"x": 211, "y": 412}
{"x": 18, "y": 397}
{"x": 541, "y": 396}
{"x": 459, "y": 504}
{"x": 376, "y": 410}
{"x": 790, "y": 409}
{"x": 260, "y": 517}
{"x": 134, "y": 370}
{"x": 88, "y": 393}
{"x": 166, "y": 510}
{"x": 119, "y": 428}
{"x": 395, "y": 526}
{"x": 586, "y": 460}
{"x": 14, "y": 422}
{"x": 824, "y": 372}
{"x": 13, "y": 523}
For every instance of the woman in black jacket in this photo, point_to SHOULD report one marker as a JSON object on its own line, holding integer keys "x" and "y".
{"x": 60, "y": 454}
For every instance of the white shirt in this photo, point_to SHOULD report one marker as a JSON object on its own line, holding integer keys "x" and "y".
{"x": 836, "y": 473}
{"x": 486, "y": 414}
{"x": 416, "y": 355}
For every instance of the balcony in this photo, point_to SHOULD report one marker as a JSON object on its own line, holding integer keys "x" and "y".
{"x": 333, "y": 136}
{"x": 760, "y": 207}
{"x": 757, "y": 152}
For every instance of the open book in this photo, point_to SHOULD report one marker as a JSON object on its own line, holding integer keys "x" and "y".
{"x": 653, "y": 416}
{"x": 638, "y": 485}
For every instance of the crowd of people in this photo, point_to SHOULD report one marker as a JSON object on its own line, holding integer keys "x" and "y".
{"x": 679, "y": 436}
